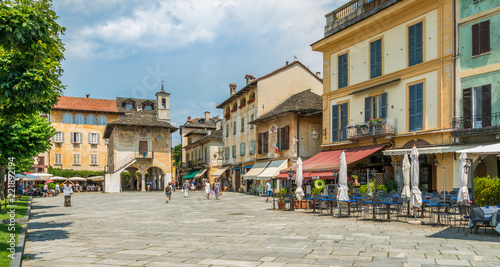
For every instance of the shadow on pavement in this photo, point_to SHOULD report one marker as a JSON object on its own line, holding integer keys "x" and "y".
{"x": 43, "y": 225}
{"x": 36, "y": 215}
{"x": 490, "y": 235}
{"x": 46, "y": 235}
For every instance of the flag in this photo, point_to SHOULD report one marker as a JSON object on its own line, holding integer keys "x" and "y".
{"x": 276, "y": 150}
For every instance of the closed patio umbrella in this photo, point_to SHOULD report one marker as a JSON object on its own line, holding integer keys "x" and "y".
{"x": 463, "y": 193}
{"x": 406, "y": 177}
{"x": 342, "y": 194}
{"x": 299, "y": 178}
{"x": 416, "y": 195}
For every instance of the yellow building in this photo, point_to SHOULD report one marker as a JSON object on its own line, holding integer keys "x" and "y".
{"x": 388, "y": 80}
{"x": 207, "y": 155}
{"x": 256, "y": 98}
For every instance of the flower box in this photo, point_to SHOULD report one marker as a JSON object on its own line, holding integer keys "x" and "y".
{"x": 227, "y": 116}
{"x": 233, "y": 110}
{"x": 251, "y": 100}
{"x": 242, "y": 106}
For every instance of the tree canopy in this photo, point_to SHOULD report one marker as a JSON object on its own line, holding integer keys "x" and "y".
{"x": 177, "y": 155}
{"x": 31, "y": 52}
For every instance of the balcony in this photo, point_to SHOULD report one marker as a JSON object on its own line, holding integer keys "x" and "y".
{"x": 144, "y": 155}
{"x": 476, "y": 125}
{"x": 353, "y": 12}
{"x": 384, "y": 127}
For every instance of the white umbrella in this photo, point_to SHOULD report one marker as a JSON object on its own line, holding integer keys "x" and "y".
{"x": 416, "y": 195}
{"x": 463, "y": 193}
{"x": 406, "y": 177}
{"x": 59, "y": 178}
{"x": 77, "y": 179}
{"x": 96, "y": 178}
{"x": 42, "y": 175}
{"x": 342, "y": 194}
{"x": 299, "y": 177}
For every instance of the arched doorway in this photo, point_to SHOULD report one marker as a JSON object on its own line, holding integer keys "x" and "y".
{"x": 156, "y": 177}
{"x": 130, "y": 178}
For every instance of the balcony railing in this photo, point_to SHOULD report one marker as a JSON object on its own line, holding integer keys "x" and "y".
{"x": 476, "y": 125}
{"x": 144, "y": 155}
{"x": 387, "y": 126}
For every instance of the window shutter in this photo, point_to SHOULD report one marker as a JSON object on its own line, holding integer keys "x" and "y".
{"x": 368, "y": 102}
{"x": 411, "y": 108}
{"x": 343, "y": 69}
{"x": 62, "y": 137}
{"x": 476, "y": 40}
{"x": 383, "y": 105}
{"x": 287, "y": 137}
{"x": 266, "y": 142}
{"x": 379, "y": 57}
{"x": 259, "y": 143}
{"x": 486, "y": 105}
{"x": 373, "y": 60}
{"x": 90, "y": 138}
{"x": 72, "y": 137}
{"x": 416, "y": 112}
{"x": 420, "y": 107}
{"x": 419, "y": 43}
{"x": 279, "y": 136}
{"x": 345, "y": 113}
{"x": 335, "y": 123}
{"x": 411, "y": 46}
{"x": 79, "y": 138}
{"x": 98, "y": 141}
{"x": 485, "y": 36}
{"x": 54, "y": 138}
{"x": 467, "y": 108}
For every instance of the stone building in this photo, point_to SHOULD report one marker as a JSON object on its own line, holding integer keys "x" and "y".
{"x": 207, "y": 159}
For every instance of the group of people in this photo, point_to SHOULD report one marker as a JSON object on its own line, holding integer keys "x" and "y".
{"x": 209, "y": 189}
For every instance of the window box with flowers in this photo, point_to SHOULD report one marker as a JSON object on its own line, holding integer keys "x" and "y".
{"x": 226, "y": 116}
{"x": 234, "y": 110}
{"x": 242, "y": 105}
{"x": 376, "y": 120}
{"x": 251, "y": 101}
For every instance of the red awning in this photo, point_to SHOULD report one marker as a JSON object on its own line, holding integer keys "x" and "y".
{"x": 324, "y": 162}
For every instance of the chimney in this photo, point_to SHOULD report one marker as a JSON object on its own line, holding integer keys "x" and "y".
{"x": 207, "y": 115}
{"x": 87, "y": 95}
{"x": 249, "y": 78}
{"x": 232, "y": 88}
{"x": 318, "y": 74}
{"x": 189, "y": 118}
{"x": 286, "y": 63}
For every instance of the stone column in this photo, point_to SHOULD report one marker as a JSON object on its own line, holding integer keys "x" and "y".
{"x": 158, "y": 182}
{"x": 153, "y": 179}
{"x": 132, "y": 177}
{"x": 143, "y": 182}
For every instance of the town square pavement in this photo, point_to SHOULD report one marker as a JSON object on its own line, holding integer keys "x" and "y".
{"x": 140, "y": 229}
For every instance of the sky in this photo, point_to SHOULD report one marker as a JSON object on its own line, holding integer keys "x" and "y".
{"x": 125, "y": 48}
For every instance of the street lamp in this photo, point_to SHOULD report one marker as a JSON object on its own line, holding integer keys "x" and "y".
{"x": 290, "y": 175}
{"x": 314, "y": 135}
{"x": 436, "y": 163}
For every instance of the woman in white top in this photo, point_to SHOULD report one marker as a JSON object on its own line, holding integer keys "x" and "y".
{"x": 67, "y": 187}
{"x": 207, "y": 188}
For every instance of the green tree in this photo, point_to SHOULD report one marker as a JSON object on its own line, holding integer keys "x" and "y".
{"x": 31, "y": 52}
{"x": 177, "y": 155}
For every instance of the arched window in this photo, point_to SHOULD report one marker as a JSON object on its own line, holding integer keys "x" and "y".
{"x": 79, "y": 119}
{"x": 101, "y": 120}
{"x": 90, "y": 119}
{"x": 163, "y": 103}
{"x": 67, "y": 118}
{"x": 243, "y": 102}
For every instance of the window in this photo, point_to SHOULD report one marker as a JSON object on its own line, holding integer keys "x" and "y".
{"x": 251, "y": 147}
{"x": 416, "y": 107}
{"x": 58, "y": 159}
{"x": 58, "y": 138}
{"x": 148, "y": 107}
{"x": 233, "y": 151}
{"x": 90, "y": 119}
{"x": 343, "y": 71}
{"x": 93, "y": 159}
{"x": 262, "y": 142}
{"x": 477, "y": 107}
{"x": 226, "y": 152}
{"x": 163, "y": 103}
{"x": 234, "y": 127}
{"x": 242, "y": 149}
{"x": 283, "y": 138}
{"x": 340, "y": 115}
{"x": 481, "y": 38}
{"x": 376, "y": 107}
{"x": 415, "y": 44}
{"x": 79, "y": 119}
{"x": 252, "y": 117}
{"x": 94, "y": 138}
{"x": 242, "y": 124}
{"x": 67, "y": 118}
{"x": 376, "y": 59}
{"x": 76, "y": 138}
{"x": 101, "y": 120}
{"x": 227, "y": 130}
{"x": 76, "y": 159}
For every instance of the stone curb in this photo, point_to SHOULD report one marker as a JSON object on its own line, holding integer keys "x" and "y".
{"x": 26, "y": 217}
{"x": 21, "y": 241}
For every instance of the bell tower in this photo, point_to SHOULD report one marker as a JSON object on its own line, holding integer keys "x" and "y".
{"x": 162, "y": 102}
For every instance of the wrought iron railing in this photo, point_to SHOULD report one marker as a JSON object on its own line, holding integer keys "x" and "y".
{"x": 476, "y": 125}
{"x": 144, "y": 155}
{"x": 370, "y": 129}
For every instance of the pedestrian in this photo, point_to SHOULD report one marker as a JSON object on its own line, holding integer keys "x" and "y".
{"x": 269, "y": 191}
{"x": 45, "y": 189}
{"x": 168, "y": 193}
{"x": 216, "y": 188}
{"x": 20, "y": 188}
{"x": 186, "y": 188}
{"x": 58, "y": 189}
{"x": 67, "y": 187}
{"x": 207, "y": 188}
{"x": 173, "y": 185}
{"x": 193, "y": 187}
{"x": 148, "y": 184}
{"x": 77, "y": 186}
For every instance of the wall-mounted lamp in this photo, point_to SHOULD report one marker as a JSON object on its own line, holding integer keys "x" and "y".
{"x": 479, "y": 160}
{"x": 436, "y": 163}
{"x": 314, "y": 135}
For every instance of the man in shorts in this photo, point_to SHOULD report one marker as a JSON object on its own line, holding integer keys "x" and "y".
{"x": 269, "y": 191}
{"x": 148, "y": 184}
{"x": 168, "y": 193}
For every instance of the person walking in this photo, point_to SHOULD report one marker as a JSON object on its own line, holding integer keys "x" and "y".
{"x": 186, "y": 188}
{"x": 269, "y": 191}
{"x": 168, "y": 193}
{"x": 20, "y": 189}
{"x": 67, "y": 187}
{"x": 216, "y": 188}
{"x": 148, "y": 184}
{"x": 45, "y": 189}
{"x": 173, "y": 185}
{"x": 207, "y": 188}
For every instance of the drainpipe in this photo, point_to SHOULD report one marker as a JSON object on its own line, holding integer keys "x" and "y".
{"x": 454, "y": 74}
{"x": 299, "y": 115}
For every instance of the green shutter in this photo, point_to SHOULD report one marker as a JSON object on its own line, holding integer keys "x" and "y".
{"x": 345, "y": 113}
{"x": 368, "y": 103}
{"x": 383, "y": 105}
{"x": 335, "y": 123}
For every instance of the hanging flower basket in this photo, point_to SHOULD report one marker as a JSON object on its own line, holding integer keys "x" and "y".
{"x": 227, "y": 116}
{"x": 242, "y": 105}
{"x": 233, "y": 110}
{"x": 251, "y": 100}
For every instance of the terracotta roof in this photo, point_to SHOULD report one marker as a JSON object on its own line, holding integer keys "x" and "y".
{"x": 86, "y": 104}
{"x": 214, "y": 135}
{"x": 140, "y": 118}
{"x": 305, "y": 101}
{"x": 137, "y": 102}
{"x": 254, "y": 82}
{"x": 202, "y": 123}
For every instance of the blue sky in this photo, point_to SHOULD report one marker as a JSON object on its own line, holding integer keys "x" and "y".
{"x": 125, "y": 48}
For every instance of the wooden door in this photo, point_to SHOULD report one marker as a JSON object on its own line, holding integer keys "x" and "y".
{"x": 143, "y": 147}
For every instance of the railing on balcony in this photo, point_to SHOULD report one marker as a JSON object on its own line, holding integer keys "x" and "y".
{"x": 477, "y": 125}
{"x": 144, "y": 155}
{"x": 387, "y": 126}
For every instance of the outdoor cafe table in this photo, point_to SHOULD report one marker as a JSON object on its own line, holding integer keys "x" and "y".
{"x": 438, "y": 206}
{"x": 348, "y": 205}
{"x": 387, "y": 205}
{"x": 491, "y": 211}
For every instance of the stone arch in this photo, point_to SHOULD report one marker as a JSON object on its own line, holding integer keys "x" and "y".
{"x": 133, "y": 183}
{"x": 157, "y": 177}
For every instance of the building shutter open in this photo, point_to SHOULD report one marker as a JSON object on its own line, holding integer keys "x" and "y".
{"x": 485, "y": 37}
{"x": 383, "y": 105}
{"x": 335, "y": 123}
{"x": 486, "y": 105}
{"x": 467, "y": 108}
{"x": 287, "y": 137}
{"x": 368, "y": 103}
{"x": 476, "y": 40}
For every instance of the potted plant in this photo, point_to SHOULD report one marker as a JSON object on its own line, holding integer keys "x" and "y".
{"x": 281, "y": 198}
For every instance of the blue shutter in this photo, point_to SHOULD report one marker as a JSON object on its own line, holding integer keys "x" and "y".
{"x": 376, "y": 59}
{"x": 411, "y": 46}
{"x": 335, "y": 123}
{"x": 343, "y": 69}
{"x": 416, "y": 107}
{"x": 415, "y": 44}
{"x": 368, "y": 103}
{"x": 383, "y": 105}
{"x": 345, "y": 112}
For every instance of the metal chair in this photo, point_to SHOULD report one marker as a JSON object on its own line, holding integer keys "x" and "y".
{"x": 463, "y": 211}
{"x": 479, "y": 219}
{"x": 288, "y": 200}
{"x": 322, "y": 205}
